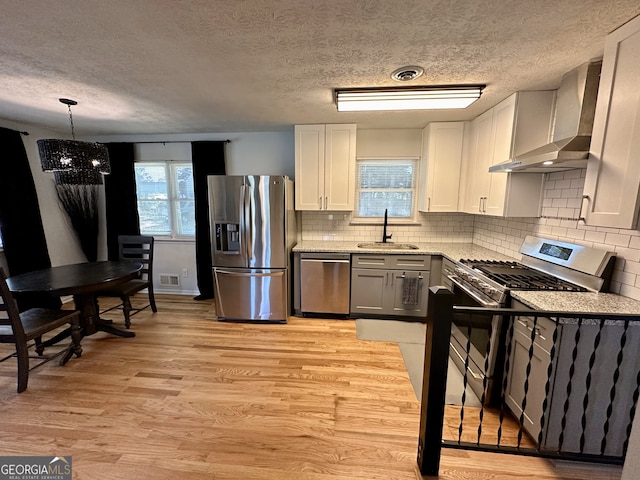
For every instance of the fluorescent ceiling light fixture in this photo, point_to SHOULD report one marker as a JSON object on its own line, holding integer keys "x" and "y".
{"x": 413, "y": 98}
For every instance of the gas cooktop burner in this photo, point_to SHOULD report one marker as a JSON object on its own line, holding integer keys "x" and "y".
{"x": 514, "y": 275}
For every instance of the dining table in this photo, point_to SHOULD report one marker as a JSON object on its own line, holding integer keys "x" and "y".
{"x": 83, "y": 281}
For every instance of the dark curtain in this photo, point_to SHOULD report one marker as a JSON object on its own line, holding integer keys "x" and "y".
{"x": 120, "y": 196}
{"x": 208, "y": 159}
{"x": 25, "y": 245}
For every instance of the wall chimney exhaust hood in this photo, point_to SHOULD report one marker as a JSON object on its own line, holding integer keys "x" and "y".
{"x": 572, "y": 127}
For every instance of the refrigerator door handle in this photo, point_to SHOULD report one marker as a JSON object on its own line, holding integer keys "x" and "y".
{"x": 246, "y": 216}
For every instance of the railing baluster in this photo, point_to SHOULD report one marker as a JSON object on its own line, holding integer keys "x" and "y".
{"x": 572, "y": 371}
{"x": 465, "y": 381}
{"x": 585, "y": 400}
{"x": 484, "y": 383}
{"x": 632, "y": 414}
{"x": 612, "y": 392}
{"x": 505, "y": 377}
{"x": 547, "y": 385}
{"x": 523, "y": 405}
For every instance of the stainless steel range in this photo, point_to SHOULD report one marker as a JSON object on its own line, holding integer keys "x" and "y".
{"x": 545, "y": 265}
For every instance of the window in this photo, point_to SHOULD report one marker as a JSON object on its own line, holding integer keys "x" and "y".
{"x": 386, "y": 184}
{"x": 165, "y": 198}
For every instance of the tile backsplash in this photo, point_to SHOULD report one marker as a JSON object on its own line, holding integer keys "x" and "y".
{"x": 434, "y": 227}
{"x": 561, "y": 210}
{"x": 559, "y": 221}
{"x": 563, "y": 194}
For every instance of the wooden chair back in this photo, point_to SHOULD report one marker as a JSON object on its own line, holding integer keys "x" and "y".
{"x": 139, "y": 248}
{"x": 10, "y": 324}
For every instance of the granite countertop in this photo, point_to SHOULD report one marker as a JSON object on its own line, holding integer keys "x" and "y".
{"x": 454, "y": 251}
{"x": 587, "y": 302}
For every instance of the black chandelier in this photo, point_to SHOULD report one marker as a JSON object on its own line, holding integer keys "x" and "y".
{"x": 74, "y": 162}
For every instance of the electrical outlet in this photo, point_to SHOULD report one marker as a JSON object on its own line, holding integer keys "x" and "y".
{"x": 185, "y": 273}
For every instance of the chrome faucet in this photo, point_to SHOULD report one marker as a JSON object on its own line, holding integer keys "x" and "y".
{"x": 385, "y": 237}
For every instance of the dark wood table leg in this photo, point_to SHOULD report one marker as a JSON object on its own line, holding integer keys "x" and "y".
{"x": 90, "y": 320}
{"x": 74, "y": 347}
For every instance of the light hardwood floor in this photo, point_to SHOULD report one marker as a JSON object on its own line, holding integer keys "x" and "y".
{"x": 193, "y": 398}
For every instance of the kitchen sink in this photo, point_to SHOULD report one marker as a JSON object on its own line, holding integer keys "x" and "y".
{"x": 388, "y": 246}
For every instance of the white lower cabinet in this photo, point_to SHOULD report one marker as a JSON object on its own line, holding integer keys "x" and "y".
{"x": 389, "y": 285}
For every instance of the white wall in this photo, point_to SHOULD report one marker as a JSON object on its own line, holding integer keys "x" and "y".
{"x": 249, "y": 153}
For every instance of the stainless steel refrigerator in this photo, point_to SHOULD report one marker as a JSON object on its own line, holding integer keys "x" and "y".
{"x": 253, "y": 229}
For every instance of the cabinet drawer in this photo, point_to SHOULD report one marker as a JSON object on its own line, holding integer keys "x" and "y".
{"x": 411, "y": 262}
{"x": 396, "y": 262}
{"x": 544, "y": 330}
{"x": 370, "y": 261}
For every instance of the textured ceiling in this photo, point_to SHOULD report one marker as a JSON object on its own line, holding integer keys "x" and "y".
{"x": 195, "y": 66}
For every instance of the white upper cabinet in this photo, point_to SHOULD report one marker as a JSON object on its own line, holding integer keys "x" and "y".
{"x": 612, "y": 184}
{"x": 480, "y": 158}
{"x": 442, "y": 145}
{"x": 325, "y": 159}
{"x": 516, "y": 125}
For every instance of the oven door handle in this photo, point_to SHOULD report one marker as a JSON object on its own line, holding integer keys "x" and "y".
{"x": 477, "y": 376}
{"x": 477, "y": 298}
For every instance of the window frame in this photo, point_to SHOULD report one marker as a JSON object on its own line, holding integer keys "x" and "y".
{"x": 413, "y": 219}
{"x": 170, "y": 167}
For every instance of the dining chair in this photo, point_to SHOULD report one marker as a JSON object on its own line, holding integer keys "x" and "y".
{"x": 21, "y": 328}
{"x": 140, "y": 249}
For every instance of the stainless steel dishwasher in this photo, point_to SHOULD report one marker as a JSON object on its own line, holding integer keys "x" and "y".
{"x": 325, "y": 282}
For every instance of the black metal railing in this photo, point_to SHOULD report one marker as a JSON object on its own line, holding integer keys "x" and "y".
{"x": 569, "y": 386}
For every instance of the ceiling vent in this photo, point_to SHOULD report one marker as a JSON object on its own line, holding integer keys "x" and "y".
{"x": 404, "y": 74}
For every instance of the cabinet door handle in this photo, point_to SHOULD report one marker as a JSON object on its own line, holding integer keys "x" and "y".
{"x": 428, "y": 204}
{"x": 320, "y": 203}
{"x": 480, "y": 205}
{"x": 326, "y": 202}
{"x": 528, "y": 327}
{"x": 581, "y": 217}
